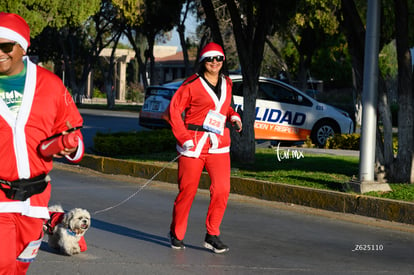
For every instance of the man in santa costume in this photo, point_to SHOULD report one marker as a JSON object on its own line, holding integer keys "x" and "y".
{"x": 203, "y": 140}
{"x": 34, "y": 105}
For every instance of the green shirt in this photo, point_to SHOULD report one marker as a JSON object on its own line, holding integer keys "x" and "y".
{"x": 12, "y": 89}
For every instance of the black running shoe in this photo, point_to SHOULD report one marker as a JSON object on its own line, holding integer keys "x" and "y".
{"x": 175, "y": 243}
{"x": 214, "y": 243}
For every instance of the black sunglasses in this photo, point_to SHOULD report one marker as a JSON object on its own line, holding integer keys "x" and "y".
{"x": 218, "y": 58}
{"x": 7, "y": 47}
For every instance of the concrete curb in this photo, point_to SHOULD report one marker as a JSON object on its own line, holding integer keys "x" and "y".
{"x": 385, "y": 209}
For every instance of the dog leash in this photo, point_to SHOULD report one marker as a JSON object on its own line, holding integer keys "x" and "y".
{"x": 139, "y": 189}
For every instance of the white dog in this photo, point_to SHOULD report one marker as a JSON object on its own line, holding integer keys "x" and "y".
{"x": 66, "y": 230}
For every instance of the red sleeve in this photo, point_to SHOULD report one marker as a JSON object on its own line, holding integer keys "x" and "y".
{"x": 179, "y": 102}
{"x": 231, "y": 113}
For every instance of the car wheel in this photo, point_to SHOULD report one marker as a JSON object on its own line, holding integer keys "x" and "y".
{"x": 322, "y": 131}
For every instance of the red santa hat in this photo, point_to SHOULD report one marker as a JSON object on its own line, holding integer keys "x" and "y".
{"x": 211, "y": 49}
{"x": 15, "y": 28}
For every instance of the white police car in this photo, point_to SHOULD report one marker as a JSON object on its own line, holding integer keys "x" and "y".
{"x": 283, "y": 113}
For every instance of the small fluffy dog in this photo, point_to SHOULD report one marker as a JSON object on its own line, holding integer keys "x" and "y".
{"x": 66, "y": 230}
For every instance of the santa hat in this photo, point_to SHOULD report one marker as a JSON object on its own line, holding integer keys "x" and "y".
{"x": 15, "y": 28}
{"x": 211, "y": 49}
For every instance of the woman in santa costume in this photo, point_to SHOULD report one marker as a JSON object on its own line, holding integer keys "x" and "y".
{"x": 34, "y": 105}
{"x": 203, "y": 140}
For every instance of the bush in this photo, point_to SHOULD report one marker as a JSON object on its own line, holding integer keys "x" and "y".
{"x": 134, "y": 143}
{"x": 98, "y": 93}
{"x": 135, "y": 93}
{"x": 344, "y": 141}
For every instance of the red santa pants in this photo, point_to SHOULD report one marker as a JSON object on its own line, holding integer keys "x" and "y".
{"x": 16, "y": 232}
{"x": 189, "y": 172}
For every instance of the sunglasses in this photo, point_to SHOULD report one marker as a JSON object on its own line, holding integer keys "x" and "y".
{"x": 7, "y": 47}
{"x": 218, "y": 58}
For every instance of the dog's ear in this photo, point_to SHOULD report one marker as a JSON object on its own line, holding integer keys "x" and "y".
{"x": 67, "y": 217}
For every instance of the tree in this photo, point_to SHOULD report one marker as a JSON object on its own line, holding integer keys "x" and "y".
{"x": 62, "y": 20}
{"x": 189, "y": 7}
{"x": 159, "y": 16}
{"x": 402, "y": 169}
{"x": 252, "y": 21}
{"x": 395, "y": 22}
{"x": 145, "y": 18}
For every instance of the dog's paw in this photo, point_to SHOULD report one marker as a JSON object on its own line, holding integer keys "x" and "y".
{"x": 69, "y": 251}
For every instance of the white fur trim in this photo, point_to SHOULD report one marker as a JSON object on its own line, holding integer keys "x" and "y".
{"x": 210, "y": 53}
{"x": 25, "y": 209}
{"x": 233, "y": 118}
{"x": 14, "y": 36}
{"x": 79, "y": 152}
{"x": 20, "y": 143}
{"x": 219, "y": 150}
{"x": 188, "y": 144}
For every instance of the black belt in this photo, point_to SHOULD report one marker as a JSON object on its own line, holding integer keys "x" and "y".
{"x": 25, "y": 188}
{"x": 194, "y": 127}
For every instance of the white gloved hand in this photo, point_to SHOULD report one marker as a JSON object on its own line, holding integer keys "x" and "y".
{"x": 188, "y": 145}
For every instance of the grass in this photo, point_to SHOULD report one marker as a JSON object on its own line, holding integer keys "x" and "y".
{"x": 326, "y": 172}
{"x": 316, "y": 171}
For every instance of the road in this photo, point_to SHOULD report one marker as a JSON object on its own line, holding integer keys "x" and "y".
{"x": 264, "y": 237}
{"x": 106, "y": 122}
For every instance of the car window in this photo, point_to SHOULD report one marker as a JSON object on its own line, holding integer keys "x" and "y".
{"x": 165, "y": 93}
{"x": 273, "y": 91}
{"x": 276, "y": 92}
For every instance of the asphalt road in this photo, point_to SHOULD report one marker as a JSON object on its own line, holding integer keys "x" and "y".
{"x": 106, "y": 122}
{"x": 264, "y": 237}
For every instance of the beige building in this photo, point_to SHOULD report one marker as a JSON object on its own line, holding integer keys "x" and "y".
{"x": 169, "y": 65}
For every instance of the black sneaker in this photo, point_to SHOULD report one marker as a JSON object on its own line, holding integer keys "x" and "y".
{"x": 214, "y": 243}
{"x": 175, "y": 243}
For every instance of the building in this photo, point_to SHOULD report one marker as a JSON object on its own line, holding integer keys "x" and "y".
{"x": 170, "y": 66}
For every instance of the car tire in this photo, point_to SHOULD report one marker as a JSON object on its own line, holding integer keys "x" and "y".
{"x": 322, "y": 131}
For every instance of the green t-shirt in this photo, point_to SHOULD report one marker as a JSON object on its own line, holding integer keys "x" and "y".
{"x": 11, "y": 90}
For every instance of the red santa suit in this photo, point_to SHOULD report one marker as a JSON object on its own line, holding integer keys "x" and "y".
{"x": 45, "y": 109}
{"x": 201, "y": 148}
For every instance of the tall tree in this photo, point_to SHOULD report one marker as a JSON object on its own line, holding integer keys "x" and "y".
{"x": 64, "y": 19}
{"x": 147, "y": 18}
{"x": 402, "y": 167}
{"x": 252, "y": 21}
{"x": 395, "y": 23}
{"x": 313, "y": 22}
{"x": 188, "y": 8}
{"x": 159, "y": 17}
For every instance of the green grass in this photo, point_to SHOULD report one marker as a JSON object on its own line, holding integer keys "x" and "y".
{"x": 326, "y": 172}
{"x": 316, "y": 171}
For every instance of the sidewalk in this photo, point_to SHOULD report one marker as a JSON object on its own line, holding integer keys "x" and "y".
{"x": 384, "y": 209}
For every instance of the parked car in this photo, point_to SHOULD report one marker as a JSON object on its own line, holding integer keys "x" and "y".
{"x": 283, "y": 113}
{"x": 156, "y": 101}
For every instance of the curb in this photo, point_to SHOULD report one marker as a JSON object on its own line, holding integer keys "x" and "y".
{"x": 384, "y": 209}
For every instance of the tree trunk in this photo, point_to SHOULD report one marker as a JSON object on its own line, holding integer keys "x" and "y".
{"x": 250, "y": 41}
{"x": 402, "y": 165}
{"x": 181, "y": 34}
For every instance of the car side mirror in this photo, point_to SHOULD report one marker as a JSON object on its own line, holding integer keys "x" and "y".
{"x": 300, "y": 98}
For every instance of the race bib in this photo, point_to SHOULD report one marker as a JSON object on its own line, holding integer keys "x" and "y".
{"x": 30, "y": 252}
{"x": 215, "y": 122}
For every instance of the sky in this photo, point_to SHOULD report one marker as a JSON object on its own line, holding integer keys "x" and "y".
{"x": 191, "y": 25}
